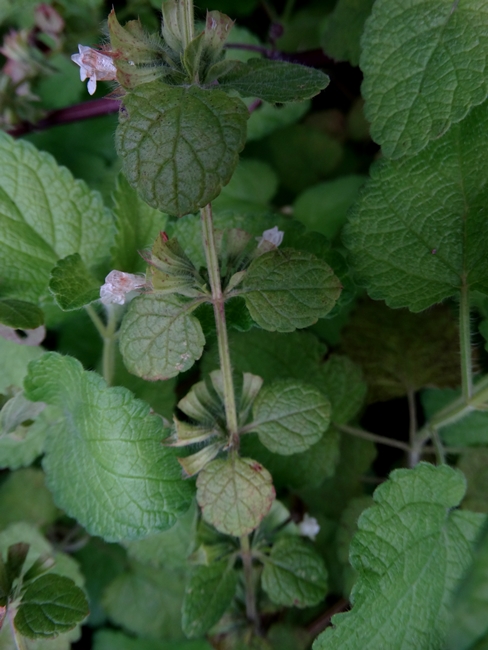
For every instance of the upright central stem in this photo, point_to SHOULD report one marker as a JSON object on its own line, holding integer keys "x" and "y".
{"x": 219, "y": 312}
{"x": 187, "y": 21}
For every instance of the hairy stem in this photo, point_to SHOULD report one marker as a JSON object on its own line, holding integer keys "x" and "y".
{"x": 219, "y": 313}
{"x": 465, "y": 345}
{"x": 18, "y": 639}
{"x": 108, "y": 335}
{"x": 389, "y": 442}
{"x": 246, "y": 557}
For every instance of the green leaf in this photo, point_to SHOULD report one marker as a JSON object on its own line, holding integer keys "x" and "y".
{"x": 287, "y": 289}
{"x": 104, "y": 462}
{"x": 252, "y": 186}
{"x": 472, "y": 429}
{"x": 341, "y": 38}
{"x": 14, "y": 359}
{"x": 108, "y": 640}
{"x": 171, "y": 270}
{"x": 147, "y": 601}
{"x": 160, "y": 337}
{"x": 268, "y": 118}
{"x": 415, "y": 248}
{"x": 20, "y": 446}
{"x": 294, "y": 574}
{"x": 289, "y": 417}
{"x": 474, "y": 465}
{"x": 468, "y": 623}
{"x": 343, "y": 383}
{"x": 137, "y": 224}
{"x": 170, "y": 548}
{"x": 24, "y": 497}
{"x": 410, "y": 551}
{"x": 179, "y": 146}
{"x": 309, "y": 468}
{"x": 20, "y": 314}
{"x": 50, "y": 605}
{"x": 72, "y": 283}
{"x": 424, "y": 68}
{"x": 235, "y": 494}
{"x": 323, "y": 208}
{"x": 45, "y": 215}
{"x": 208, "y": 594}
{"x": 61, "y": 642}
{"x": 399, "y": 351}
{"x": 274, "y": 81}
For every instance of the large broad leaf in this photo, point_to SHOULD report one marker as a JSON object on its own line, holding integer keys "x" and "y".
{"x": 137, "y": 224}
{"x": 44, "y": 215}
{"x": 235, "y": 494}
{"x": 424, "y": 67}
{"x": 274, "y": 81}
{"x": 50, "y": 605}
{"x": 104, "y": 460}
{"x": 410, "y": 551}
{"x": 289, "y": 417}
{"x": 341, "y": 38}
{"x": 160, "y": 337}
{"x": 415, "y": 244}
{"x": 288, "y": 289}
{"x": 468, "y": 618}
{"x": 208, "y": 594}
{"x": 294, "y": 574}
{"x": 180, "y": 145}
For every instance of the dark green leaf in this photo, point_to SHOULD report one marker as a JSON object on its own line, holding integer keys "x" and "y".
{"x": 341, "y": 39}
{"x": 20, "y": 314}
{"x": 179, "y": 146}
{"x": 72, "y": 283}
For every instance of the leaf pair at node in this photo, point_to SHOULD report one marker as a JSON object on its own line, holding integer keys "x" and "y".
{"x": 44, "y": 605}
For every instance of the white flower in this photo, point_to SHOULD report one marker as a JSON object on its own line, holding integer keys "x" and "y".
{"x": 117, "y": 285}
{"x": 273, "y": 236}
{"x": 94, "y": 65}
{"x": 309, "y": 527}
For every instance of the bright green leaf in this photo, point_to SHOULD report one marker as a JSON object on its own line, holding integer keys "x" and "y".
{"x": 72, "y": 283}
{"x": 410, "y": 551}
{"x": 468, "y": 622}
{"x": 424, "y": 66}
{"x": 294, "y": 574}
{"x": 287, "y": 289}
{"x": 160, "y": 337}
{"x": 208, "y": 594}
{"x": 414, "y": 246}
{"x": 45, "y": 215}
{"x": 147, "y": 601}
{"x": 14, "y": 359}
{"x": 50, "y": 605}
{"x": 274, "y": 81}
{"x": 20, "y": 314}
{"x": 341, "y": 38}
{"x": 104, "y": 460}
{"x": 289, "y": 417}
{"x": 235, "y": 494}
{"x": 137, "y": 224}
{"x": 24, "y": 497}
{"x": 179, "y": 146}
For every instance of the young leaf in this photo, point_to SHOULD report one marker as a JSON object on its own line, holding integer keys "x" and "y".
{"x": 341, "y": 39}
{"x": 289, "y": 417}
{"x": 294, "y": 574}
{"x": 414, "y": 248}
{"x": 235, "y": 494}
{"x": 208, "y": 594}
{"x": 72, "y": 283}
{"x": 46, "y": 215}
{"x": 171, "y": 270}
{"x": 274, "y": 81}
{"x": 50, "y": 605}
{"x": 410, "y": 551}
{"x": 104, "y": 462}
{"x": 287, "y": 289}
{"x": 468, "y": 623}
{"x": 180, "y": 145}
{"x": 423, "y": 70}
{"x": 160, "y": 337}
{"x": 20, "y": 314}
{"x": 137, "y": 224}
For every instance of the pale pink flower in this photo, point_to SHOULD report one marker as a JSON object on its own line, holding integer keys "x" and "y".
{"x": 309, "y": 527}
{"x": 94, "y": 66}
{"x": 117, "y": 285}
{"x": 273, "y": 236}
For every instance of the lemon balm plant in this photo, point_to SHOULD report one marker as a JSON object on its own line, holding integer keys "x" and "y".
{"x": 242, "y": 516}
